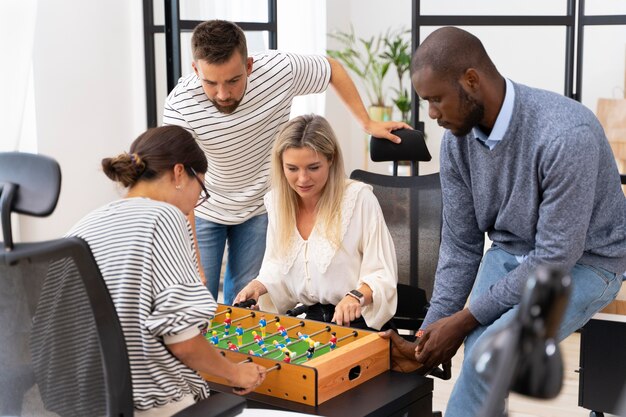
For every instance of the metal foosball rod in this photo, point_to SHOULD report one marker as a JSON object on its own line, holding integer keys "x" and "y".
{"x": 228, "y": 310}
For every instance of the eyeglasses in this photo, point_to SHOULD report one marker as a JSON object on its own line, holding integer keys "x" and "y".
{"x": 204, "y": 194}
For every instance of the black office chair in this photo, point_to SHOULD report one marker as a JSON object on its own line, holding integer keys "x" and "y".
{"x": 62, "y": 348}
{"x": 412, "y": 208}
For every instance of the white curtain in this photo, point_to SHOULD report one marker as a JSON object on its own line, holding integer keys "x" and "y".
{"x": 302, "y": 29}
{"x": 17, "y": 32}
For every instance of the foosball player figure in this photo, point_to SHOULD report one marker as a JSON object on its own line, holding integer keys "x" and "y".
{"x": 307, "y": 338}
{"x": 239, "y": 333}
{"x": 259, "y": 341}
{"x": 227, "y": 322}
{"x": 286, "y": 351}
{"x": 287, "y": 358}
{"x": 333, "y": 340}
{"x": 311, "y": 350}
{"x": 253, "y": 353}
{"x": 214, "y": 338}
{"x": 232, "y": 346}
{"x": 262, "y": 325}
{"x": 283, "y": 332}
{"x": 278, "y": 345}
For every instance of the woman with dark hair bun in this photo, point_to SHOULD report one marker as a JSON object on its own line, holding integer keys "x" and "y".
{"x": 143, "y": 245}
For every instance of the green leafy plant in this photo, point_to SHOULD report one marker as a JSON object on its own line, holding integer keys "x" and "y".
{"x": 365, "y": 58}
{"x": 398, "y": 53}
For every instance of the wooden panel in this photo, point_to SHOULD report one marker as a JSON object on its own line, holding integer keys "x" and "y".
{"x": 350, "y": 365}
{"x": 290, "y": 382}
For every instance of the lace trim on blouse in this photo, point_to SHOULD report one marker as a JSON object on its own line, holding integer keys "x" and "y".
{"x": 321, "y": 250}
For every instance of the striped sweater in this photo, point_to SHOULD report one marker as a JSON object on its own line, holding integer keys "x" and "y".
{"x": 144, "y": 249}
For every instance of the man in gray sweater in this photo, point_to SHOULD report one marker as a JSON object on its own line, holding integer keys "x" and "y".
{"x": 533, "y": 170}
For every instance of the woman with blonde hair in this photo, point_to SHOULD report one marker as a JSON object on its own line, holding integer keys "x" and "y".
{"x": 328, "y": 246}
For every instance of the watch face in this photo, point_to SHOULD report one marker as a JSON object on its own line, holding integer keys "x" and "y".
{"x": 357, "y": 293}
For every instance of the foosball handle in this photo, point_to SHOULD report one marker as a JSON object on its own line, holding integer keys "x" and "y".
{"x": 297, "y": 310}
{"x": 245, "y": 304}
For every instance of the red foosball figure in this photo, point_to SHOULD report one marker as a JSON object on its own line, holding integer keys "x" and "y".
{"x": 333, "y": 340}
{"x": 283, "y": 332}
{"x": 287, "y": 358}
{"x": 259, "y": 341}
{"x": 227, "y": 322}
{"x": 233, "y": 347}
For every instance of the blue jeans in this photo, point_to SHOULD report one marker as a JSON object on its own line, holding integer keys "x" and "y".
{"x": 592, "y": 289}
{"x": 246, "y": 247}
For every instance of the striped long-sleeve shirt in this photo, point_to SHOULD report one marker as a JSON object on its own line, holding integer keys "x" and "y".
{"x": 238, "y": 145}
{"x": 144, "y": 249}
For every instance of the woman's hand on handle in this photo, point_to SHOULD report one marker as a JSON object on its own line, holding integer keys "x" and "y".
{"x": 252, "y": 291}
{"x": 247, "y": 378}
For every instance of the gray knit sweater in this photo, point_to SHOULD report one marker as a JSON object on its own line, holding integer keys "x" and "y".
{"x": 550, "y": 190}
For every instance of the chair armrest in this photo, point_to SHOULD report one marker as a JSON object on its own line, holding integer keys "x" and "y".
{"x": 219, "y": 404}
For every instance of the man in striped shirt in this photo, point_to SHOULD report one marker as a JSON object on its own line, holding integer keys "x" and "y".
{"x": 235, "y": 104}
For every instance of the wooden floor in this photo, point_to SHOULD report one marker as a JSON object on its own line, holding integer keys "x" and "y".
{"x": 565, "y": 405}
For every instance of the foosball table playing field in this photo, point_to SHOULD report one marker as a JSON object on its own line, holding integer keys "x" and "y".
{"x": 308, "y": 362}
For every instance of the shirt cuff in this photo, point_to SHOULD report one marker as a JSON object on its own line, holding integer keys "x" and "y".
{"x": 181, "y": 337}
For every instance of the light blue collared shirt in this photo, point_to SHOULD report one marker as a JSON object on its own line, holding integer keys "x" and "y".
{"x": 502, "y": 121}
{"x": 499, "y": 129}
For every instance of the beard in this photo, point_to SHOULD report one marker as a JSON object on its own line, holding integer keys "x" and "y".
{"x": 228, "y": 109}
{"x": 473, "y": 113}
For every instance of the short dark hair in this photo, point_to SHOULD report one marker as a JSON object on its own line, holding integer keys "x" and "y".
{"x": 215, "y": 41}
{"x": 153, "y": 153}
{"x": 449, "y": 52}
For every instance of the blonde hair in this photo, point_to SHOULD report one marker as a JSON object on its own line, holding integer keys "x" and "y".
{"x": 313, "y": 132}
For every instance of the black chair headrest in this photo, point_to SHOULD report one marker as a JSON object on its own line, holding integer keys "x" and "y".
{"x": 29, "y": 184}
{"x": 412, "y": 148}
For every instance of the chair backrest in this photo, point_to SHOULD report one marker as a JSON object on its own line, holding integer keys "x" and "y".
{"x": 412, "y": 209}
{"x": 29, "y": 184}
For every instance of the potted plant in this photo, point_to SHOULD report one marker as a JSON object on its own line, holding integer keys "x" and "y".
{"x": 364, "y": 57}
{"x": 398, "y": 53}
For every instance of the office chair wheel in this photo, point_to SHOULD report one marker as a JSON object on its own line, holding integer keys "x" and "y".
{"x": 596, "y": 414}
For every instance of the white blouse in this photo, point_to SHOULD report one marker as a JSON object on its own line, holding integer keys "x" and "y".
{"x": 313, "y": 271}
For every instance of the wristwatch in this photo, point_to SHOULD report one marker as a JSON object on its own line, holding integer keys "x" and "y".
{"x": 358, "y": 295}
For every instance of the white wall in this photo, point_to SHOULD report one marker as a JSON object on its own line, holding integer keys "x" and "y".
{"x": 90, "y": 99}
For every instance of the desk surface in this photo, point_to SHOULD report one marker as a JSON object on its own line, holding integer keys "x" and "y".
{"x": 388, "y": 394}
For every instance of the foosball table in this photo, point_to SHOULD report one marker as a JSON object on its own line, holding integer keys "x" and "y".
{"x": 308, "y": 362}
